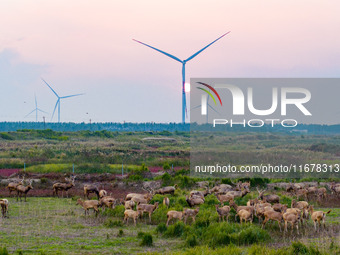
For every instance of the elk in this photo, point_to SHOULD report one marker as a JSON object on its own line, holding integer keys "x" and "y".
{"x": 222, "y": 188}
{"x": 238, "y": 193}
{"x": 166, "y": 202}
{"x": 301, "y": 193}
{"x": 321, "y": 193}
{"x": 302, "y": 205}
{"x": 147, "y": 208}
{"x": 4, "y": 207}
{"x": 89, "y": 204}
{"x": 242, "y": 185}
{"x": 268, "y": 198}
{"x": 335, "y": 188}
{"x": 12, "y": 186}
{"x": 129, "y": 204}
{"x": 131, "y": 214}
{"x": 272, "y": 215}
{"x": 166, "y": 190}
{"x": 291, "y": 218}
{"x": 260, "y": 209}
{"x": 252, "y": 202}
{"x": 148, "y": 196}
{"x": 102, "y": 193}
{"x": 63, "y": 186}
{"x": 225, "y": 198}
{"x": 198, "y": 193}
{"x": 140, "y": 200}
{"x": 107, "y": 201}
{"x": 23, "y": 190}
{"x": 245, "y": 215}
{"x": 190, "y": 213}
{"x": 318, "y": 216}
{"x": 223, "y": 212}
{"x": 90, "y": 188}
{"x": 173, "y": 215}
{"x": 238, "y": 208}
{"x": 194, "y": 201}
{"x": 279, "y": 207}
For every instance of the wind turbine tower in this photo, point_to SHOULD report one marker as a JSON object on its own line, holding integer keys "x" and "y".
{"x": 183, "y": 62}
{"x": 59, "y": 99}
{"x": 35, "y": 110}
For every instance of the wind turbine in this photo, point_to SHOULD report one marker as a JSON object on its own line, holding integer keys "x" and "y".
{"x": 183, "y": 68}
{"x": 58, "y": 101}
{"x": 36, "y": 110}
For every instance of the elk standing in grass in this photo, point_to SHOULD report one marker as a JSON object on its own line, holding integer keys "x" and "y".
{"x": 166, "y": 190}
{"x": 63, "y": 186}
{"x": 129, "y": 205}
{"x": 90, "y": 188}
{"x": 142, "y": 208}
{"x": 89, "y": 204}
{"x": 238, "y": 208}
{"x": 223, "y": 212}
{"x": 245, "y": 215}
{"x": 173, "y": 215}
{"x": 293, "y": 219}
{"x": 166, "y": 202}
{"x": 12, "y": 186}
{"x": 131, "y": 214}
{"x": 4, "y": 207}
{"x": 102, "y": 193}
{"x": 194, "y": 201}
{"x": 23, "y": 190}
{"x": 190, "y": 213}
{"x": 318, "y": 216}
{"x": 268, "y": 198}
{"x": 272, "y": 215}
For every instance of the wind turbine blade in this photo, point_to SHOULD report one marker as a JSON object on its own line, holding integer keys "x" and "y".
{"x": 73, "y": 95}
{"x": 55, "y": 107}
{"x": 198, "y": 52}
{"x": 213, "y": 109}
{"x": 163, "y": 52}
{"x": 50, "y": 87}
{"x": 41, "y": 110}
{"x": 30, "y": 113}
{"x": 195, "y": 107}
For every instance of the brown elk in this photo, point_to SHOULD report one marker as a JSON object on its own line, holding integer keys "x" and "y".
{"x": 223, "y": 212}
{"x": 166, "y": 190}
{"x": 198, "y": 193}
{"x": 321, "y": 193}
{"x": 23, "y": 190}
{"x": 272, "y": 215}
{"x": 166, "y": 202}
{"x": 222, "y": 188}
{"x": 238, "y": 193}
{"x": 89, "y": 204}
{"x": 238, "y": 208}
{"x": 268, "y": 198}
{"x": 335, "y": 188}
{"x": 63, "y": 186}
{"x": 4, "y": 207}
{"x": 107, "y": 201}
{"x": 279, "y": 207}
{"x": 291, "y": 218}
{"x": 242, "y": 185}
{"x": 129, "y": 204}
{"x": 194, "y": 201}
{"x": 318, "y": 216}
{"x": 303, "y": 206}
{"x": 245, "y": 215}
{"x": 224, "y": 198}
{"x": 90, "y": 188}
{"x": 12, "y": 186}
{"x": 190, "y": 213}
{"x": 142, "y": 208}
{"x": 301, "y": 193}
{"x": 173, "y": 215}
{"x": 131, "y": 214}
{"x": 102, "y": 193}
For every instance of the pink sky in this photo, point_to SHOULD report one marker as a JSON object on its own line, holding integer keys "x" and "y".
{"x": 86, "y": 46}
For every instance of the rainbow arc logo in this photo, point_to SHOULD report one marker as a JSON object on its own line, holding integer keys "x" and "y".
{"x": 209, "y": 93}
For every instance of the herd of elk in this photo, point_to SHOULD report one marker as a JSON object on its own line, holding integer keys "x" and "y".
{"x": 264, "y": 207}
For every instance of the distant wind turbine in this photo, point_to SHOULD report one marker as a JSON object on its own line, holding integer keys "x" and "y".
{"x": 58, "y": 101}
{"x": 183, "y": 68}
{"x": 35, "y": 110}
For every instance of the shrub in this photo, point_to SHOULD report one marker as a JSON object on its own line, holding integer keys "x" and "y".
{"x": 120, "y": 233}
{"x": 166, "y": 166}
{"x": 118, "y": 211}
{"x": 6, "y": 136}
{"x": 159, "y": 215}
{"x": 175, "y": 230}
{"x": 161, "y": 228}
{"x": 3, "y": 251}
{"x": 146, "y": 240}
{"x": 299, "y": 248}
{"x": 109, "y": 223}
{"x": 167, "y": 180}
{"x": 191, "y": 241}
